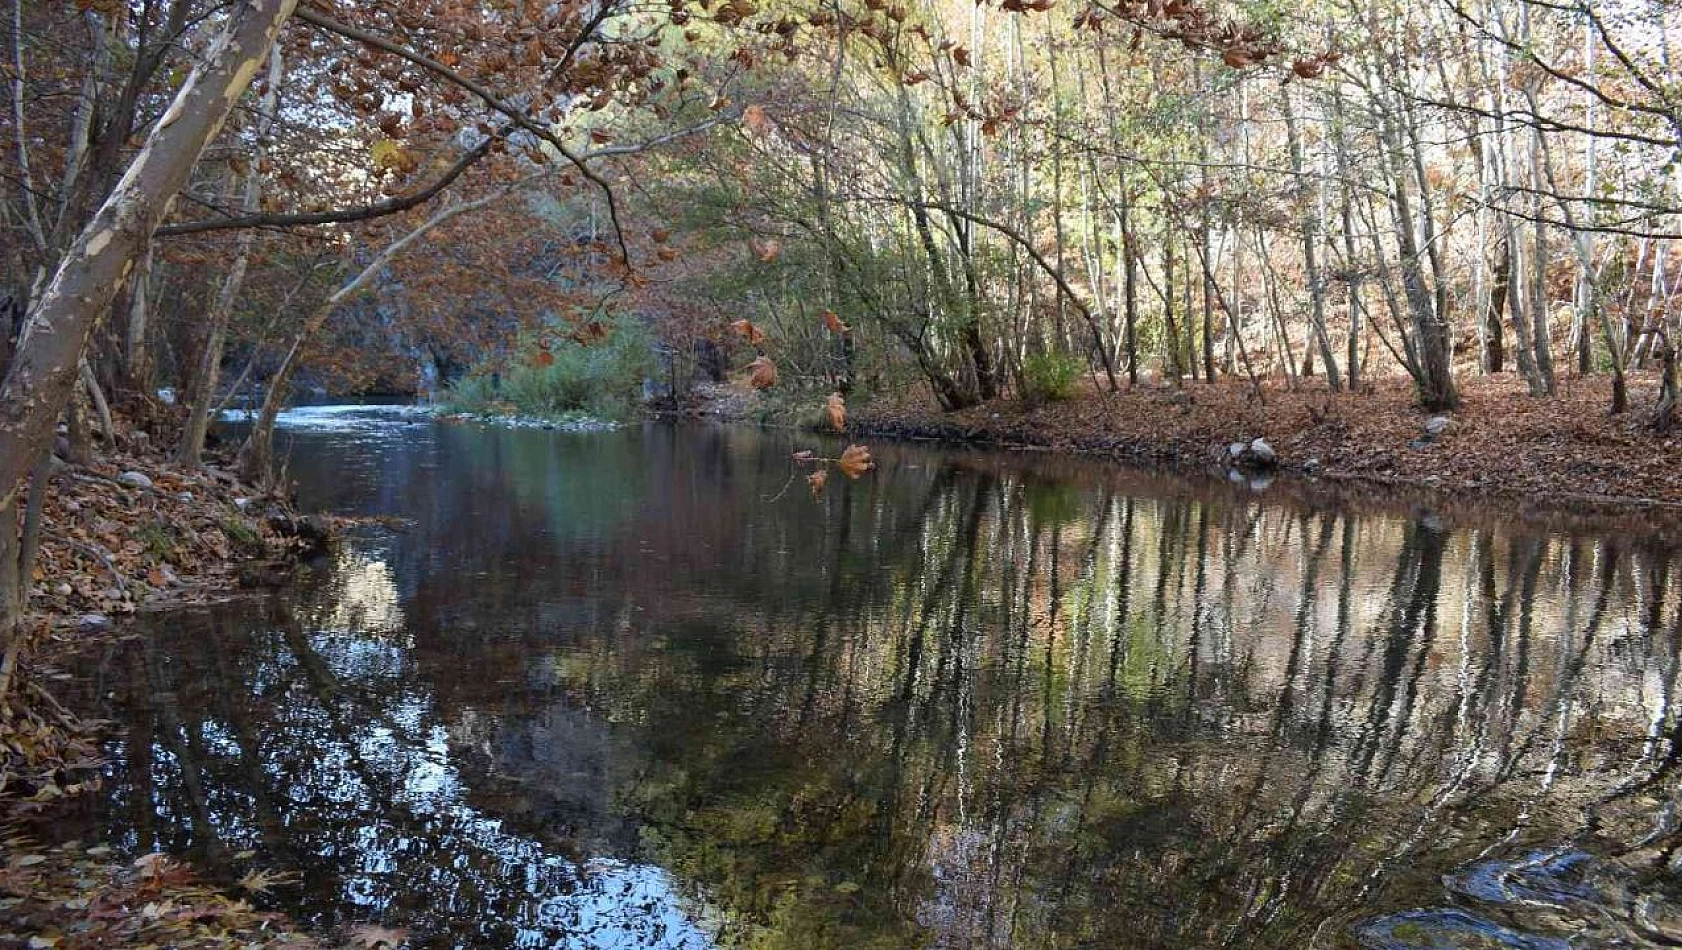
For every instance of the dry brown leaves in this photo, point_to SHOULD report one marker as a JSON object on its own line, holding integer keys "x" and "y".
{"x": 108, "y": 548}
{"x": 1502, "y": 441}
{"x": 762, "y": 373}
{"x": 836, "y": 411}
{"x": 70, "y": 897}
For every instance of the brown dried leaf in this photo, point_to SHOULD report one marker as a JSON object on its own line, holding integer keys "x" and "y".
{"x": 855, "y": 461}
{"x": 836, "y": 409}
{"x": 749, "y": 331}
{"x": 762, "y": 373}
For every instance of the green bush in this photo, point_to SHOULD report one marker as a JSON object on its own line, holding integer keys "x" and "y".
{"x": 1051, "y": 377}
{"x": 603, "y": 379}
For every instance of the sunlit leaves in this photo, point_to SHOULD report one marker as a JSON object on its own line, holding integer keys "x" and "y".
{"x": 390, "y": 155}
{"x": 835, "y": 410}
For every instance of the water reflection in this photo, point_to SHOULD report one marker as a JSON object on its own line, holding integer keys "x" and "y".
{"x": 606, "y": 693}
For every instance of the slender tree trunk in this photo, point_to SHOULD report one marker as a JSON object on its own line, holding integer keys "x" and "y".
{"x": 1494, "y": 355}
{"x": 256, "y": 455}
{"x": 189, "y": 454}
{"x": 1307, "y": 220}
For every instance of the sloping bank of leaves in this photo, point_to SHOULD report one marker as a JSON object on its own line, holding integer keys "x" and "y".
{"x": 126, "y": 533}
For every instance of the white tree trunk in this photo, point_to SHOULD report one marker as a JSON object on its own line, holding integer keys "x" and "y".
{"x": 44, "y": 371}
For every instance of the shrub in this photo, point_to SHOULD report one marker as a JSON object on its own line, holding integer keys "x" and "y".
{"x": 602, "y": 379}
{"x": 1050, "y": 377}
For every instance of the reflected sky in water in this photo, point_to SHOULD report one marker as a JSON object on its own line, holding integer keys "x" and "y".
{"x": 639, "y": 689}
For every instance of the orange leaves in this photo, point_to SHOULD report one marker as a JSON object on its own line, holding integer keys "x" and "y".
{"x": 661, "y": 235}
{"x": 767, "y": 249}
{"x": 749, "y": 331}
{"x": 833, "y": 323}
{"x": 544, "y": 359}
{"x": 855, "y": 461}
{"x": 836, "y": 410}
{"x": 762, "y": 374}
{"x": 756, "y": 120}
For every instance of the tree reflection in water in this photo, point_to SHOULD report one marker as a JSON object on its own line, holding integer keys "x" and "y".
{"x": 604, "y": 693}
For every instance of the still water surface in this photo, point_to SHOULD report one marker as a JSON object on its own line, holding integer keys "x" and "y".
{"x": 636, "y": 689}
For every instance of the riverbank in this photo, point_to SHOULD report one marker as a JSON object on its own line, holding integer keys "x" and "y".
{"x": 123, "y": 534}
{"x": 1501, "y": 444}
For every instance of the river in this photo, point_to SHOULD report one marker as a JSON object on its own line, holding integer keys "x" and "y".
{"x": 640, "y": 689}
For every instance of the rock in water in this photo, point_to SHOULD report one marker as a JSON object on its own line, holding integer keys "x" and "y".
{"x": 135, "y": 480}
{"x": 1262, "y": 454}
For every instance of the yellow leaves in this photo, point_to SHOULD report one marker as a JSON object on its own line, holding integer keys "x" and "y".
{"x": 855, "y": 461}
{"x": 749, "y": 331}
{"x": 389, "y": 155}
{"x": 833, "y": 323}
{"x": 836, "y": 410}
{"x": 762, "y": 374}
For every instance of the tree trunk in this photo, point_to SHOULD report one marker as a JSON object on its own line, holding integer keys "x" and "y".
{"x": 45, "y": 368}
{"x": 189, "y": 454}
{"x": 1664, "y": 414}
{"x": 1494, "y": 345}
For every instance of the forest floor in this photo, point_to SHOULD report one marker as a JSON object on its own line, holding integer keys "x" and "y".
{"x": 1502, "y": 443}
{"x": 125, "y": 534}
